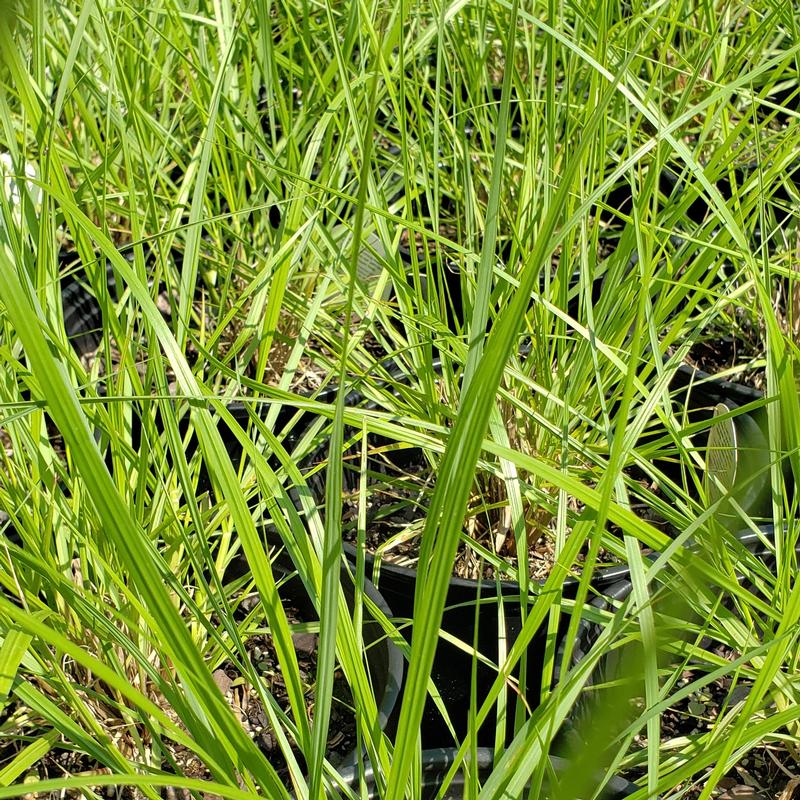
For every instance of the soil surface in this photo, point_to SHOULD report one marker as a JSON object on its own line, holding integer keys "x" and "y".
{"x": 727, "y": 353}
{"x": 739, "y": 347}
{"x": 400, "y": 485}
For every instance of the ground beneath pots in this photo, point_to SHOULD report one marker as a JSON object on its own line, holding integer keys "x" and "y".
{"x": 247, "y": 706}
{"x": 249, "y": 709}
{"x": 762, "y": 774}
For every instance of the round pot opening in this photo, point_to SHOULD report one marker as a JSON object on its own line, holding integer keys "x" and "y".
{"x": 399, "y": 485}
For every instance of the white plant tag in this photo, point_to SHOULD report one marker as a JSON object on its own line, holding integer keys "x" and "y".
{"x": 368, "y": 265}
{"x": 721, "y": 455}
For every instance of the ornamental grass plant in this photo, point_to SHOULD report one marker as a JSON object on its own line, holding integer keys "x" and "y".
{"x": 535, "y": 284}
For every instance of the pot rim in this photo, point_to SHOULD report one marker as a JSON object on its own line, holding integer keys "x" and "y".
{"x": 489, "y": 586}
{"x": 717, "y": 389}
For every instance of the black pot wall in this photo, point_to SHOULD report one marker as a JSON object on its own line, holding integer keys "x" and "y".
{"x": 787, "y": 96}
{"x": 84, "y": 328}
{"x": 469, "y": 608}
{"x": 83, "y": 320}
{"x": 437, "y": 762}
{"x": 671, "y": 185}
{"x": 445, "y": 276}
{"x": 468, "y": 604}
{"x": 618, "y": 201}
{"x": 700, "y": 391}
{"x": 446, "y": 280}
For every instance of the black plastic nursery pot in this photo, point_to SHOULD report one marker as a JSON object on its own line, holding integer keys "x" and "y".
{"x": 83, "y": 323}
{"x": 761, "y": 543}
{"x": 672, "y": 184}
{"x": 615, "y": 207}
{"x": 437, "y": 762}
{"x": 471, "y": 615}
{"x": 699, "y": 390}
{"x": 758, "y": 543}
{"x": 446, "y": 280}
{"x": 384, "y": 660}
{"x": 83, "y": 319}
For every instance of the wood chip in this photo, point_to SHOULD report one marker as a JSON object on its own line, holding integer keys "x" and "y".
{"x": 792, "y": 790}
{"x": 741, "y": 792}
{"x": 223, "y": 681}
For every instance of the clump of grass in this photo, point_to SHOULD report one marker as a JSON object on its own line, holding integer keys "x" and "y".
{"x": 242, "y": 156}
